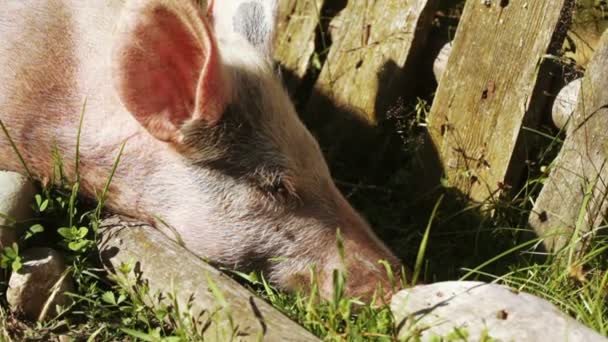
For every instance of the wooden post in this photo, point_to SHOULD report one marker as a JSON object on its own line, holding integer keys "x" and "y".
{"x": 492, "y": 88}
{"x": 573, "y": 199}
{"x": 226, "y": 310}
{"x": 371, "y": 35}
{"x": 294, "y": 46}
{"x": 369, "y": 63}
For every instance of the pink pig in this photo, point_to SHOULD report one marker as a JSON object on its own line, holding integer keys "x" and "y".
{"x": 214, "y": 147}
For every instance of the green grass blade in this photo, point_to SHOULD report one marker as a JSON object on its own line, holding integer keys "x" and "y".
{"x": 14, "y": 146}
{"x": 500, "y": 256}
{"x": 77, "y": 157}
{"x": 104, "y": 193}
{"x": 424, "y": 242}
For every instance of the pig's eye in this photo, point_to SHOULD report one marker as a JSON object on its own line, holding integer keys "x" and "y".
{"x": 278, "y": 188}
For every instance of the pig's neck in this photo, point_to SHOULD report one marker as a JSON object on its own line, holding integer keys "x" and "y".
{"x": 146, "y": 170}
{"x": 146, "y": 166}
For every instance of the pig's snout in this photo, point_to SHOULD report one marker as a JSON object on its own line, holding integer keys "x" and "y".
{"x": 363, "y": 252}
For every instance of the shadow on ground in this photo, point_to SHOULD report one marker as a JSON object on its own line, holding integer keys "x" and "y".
{"x": 391, "y": 173}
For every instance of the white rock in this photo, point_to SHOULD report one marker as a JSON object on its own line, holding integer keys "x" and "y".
{"x": 16, "y": 193}
{"x": 479, "y": 308}
{"x": 441, "y": 61}
{"x": 565, "y": 103}
{"x": 39, "y": 285}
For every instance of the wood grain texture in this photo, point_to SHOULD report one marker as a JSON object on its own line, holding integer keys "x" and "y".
{"x": 168, "y": 268}
{"x": 492, "y": 88}
{"x": 581, "y": 167}
{"x": 373, "y": 41}
{"x": 294, "y": 45}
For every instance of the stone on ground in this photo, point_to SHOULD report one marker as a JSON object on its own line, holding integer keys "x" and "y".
{"x": 476, "y": 309}
{"x": 16, "y": 192}
{"x": 565, "y": 103}
{"x": 209, "y": 297}
{"x": 441, "y": 61}
{"x": 40, "y": 285}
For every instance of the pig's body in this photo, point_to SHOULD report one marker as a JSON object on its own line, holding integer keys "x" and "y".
{"x": 210, "y": 143}
{"x": 54, "y": 56}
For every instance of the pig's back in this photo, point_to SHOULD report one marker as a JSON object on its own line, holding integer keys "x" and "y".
{"x": 54, "y": 54}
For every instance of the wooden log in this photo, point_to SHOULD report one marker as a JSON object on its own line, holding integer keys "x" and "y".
{"x": 294, "y": 45}
{"x": 374, "y": 47}
{"x": 492, "y": 87}
{"x": 168, "y": 268}
{"x": 573, "y": 198}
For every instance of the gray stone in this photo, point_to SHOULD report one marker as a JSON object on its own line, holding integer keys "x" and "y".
{"x": 441, "y": 61}
{"x": 40, "y": 285}
{"x": 16, "y": 193}
{"x": 565, "y": 103}
{"x": 476, "y": 308}
{"x": 169, "y": 269}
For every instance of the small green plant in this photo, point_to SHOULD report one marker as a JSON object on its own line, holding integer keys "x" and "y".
{"x": 10, "y": 258}
{"x": 33, "y": 231}
{"x": 75, "y": 238}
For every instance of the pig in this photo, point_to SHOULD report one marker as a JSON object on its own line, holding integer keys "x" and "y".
{"x": 213, "y": 147}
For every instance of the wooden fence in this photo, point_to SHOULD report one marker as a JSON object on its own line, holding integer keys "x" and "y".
{"x": 350, "y": 61}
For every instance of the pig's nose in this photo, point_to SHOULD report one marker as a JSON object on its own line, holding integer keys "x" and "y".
{"x": 363, "y": 281}
{"x": 366, "y": 280}
{"x": 363, "y": 247}
{"x": 366, "y": 275}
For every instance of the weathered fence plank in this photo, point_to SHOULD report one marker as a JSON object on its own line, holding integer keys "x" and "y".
{"x": 297, "y": 23}
{"x": 169, "y": 269}
{"x": 371, "y": 34}
{"x": 576, "y": 187}
{"x": 494, "y": 83}
{"x": 373, "y": 44}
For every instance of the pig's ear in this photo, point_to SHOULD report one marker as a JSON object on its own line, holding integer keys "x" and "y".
{"x": 254, "y": 20}
{"x": 167, "y": 68}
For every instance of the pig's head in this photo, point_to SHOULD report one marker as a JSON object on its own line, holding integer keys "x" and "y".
{"x": 255, "y": 191}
